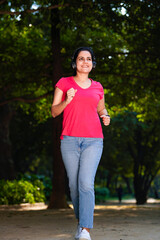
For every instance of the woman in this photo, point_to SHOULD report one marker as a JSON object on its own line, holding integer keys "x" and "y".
{"x": 82, "y": 102}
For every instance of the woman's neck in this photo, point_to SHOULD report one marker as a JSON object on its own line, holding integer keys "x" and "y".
{"x": 82, "y": 80}
{"x": 81, "y": 77}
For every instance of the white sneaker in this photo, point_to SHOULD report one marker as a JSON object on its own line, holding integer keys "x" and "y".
{"x": 79, "y": 229}
{"x": 84, "y": 235}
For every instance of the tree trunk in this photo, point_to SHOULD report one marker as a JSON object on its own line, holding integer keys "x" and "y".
{"x": 140, "y": 189}
{"x": 6, "y": 163}
{"x": 58, "y": 197}
{"x": 127, "y": 183}
{"x": 109, "y": 178}
{"x": 140, "y": 192}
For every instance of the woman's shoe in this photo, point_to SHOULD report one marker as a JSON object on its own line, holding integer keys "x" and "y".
{"x": 79, "y": 229}
{"x": 84, "y": 235}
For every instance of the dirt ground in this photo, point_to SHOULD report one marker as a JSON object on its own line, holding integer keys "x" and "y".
{"x": 112, "y": 221}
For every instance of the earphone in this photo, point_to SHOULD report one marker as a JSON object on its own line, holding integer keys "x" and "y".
{"x": 74, "y": 57}
{"x": 73, "y": 65}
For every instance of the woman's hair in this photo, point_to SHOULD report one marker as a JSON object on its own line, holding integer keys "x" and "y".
{"x": 75, "y": 55}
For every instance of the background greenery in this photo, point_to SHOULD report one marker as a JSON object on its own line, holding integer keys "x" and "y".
{"x": 37, "y": 40}
{"x": 22, "y": 191}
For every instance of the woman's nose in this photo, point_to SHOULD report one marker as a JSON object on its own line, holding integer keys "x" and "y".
{"x": 86, "y": 60}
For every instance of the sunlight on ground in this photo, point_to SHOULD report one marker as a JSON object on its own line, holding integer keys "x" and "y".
{"x": 116, "y": 207}
{"x": 65, "y": 236}
{"x": 114, "y": 204}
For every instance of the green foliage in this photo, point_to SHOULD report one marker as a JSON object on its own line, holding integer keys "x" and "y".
{"x": 132, "y": 149}
{"x": 128, "y": 137}
{"x": 34, "y": 179}
{"x": 22, "y": 191}
{"x": 24, "y": 60}
{"x": 101, "y": 194}
{"x": 127, "y": 50}
{"x": 36, "y": 147}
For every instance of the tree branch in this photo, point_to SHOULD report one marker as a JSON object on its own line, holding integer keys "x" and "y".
{"x": 38, "y": 9}
{"x": 1, "y": 2}
{"x": 33, "y": 10}
{"x": 26, "y": 100}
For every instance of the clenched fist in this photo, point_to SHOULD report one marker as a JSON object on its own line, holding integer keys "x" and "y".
{"x": 105, "y": 119}
{"x": 70, "y": 95}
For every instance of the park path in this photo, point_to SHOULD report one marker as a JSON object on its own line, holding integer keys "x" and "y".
{"x": 112, "y": 221}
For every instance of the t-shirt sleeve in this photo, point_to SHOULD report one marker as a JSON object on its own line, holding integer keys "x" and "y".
{"x": 60, "y": 84}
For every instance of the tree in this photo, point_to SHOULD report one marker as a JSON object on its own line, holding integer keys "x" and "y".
{"x": 122, "y": 43}
{"x": 58, "y": 199}
{"x": 7, "y": 170}
{"x": 135, "y": 144}
{"x": 18, "y": 78}
{"x": 26, "y": 19}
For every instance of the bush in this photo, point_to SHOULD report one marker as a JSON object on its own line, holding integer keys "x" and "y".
{"x": 47, "y": 182}
{"x": 21, "y": 191}
{"x": 101, "y": 194}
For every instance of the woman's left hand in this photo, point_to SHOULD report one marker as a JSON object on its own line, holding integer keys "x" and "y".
{"x": 105, "y": 119}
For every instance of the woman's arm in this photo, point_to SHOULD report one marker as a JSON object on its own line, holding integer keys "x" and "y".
{"x": 58, "y": 105}
{"x": 102, "y": 111}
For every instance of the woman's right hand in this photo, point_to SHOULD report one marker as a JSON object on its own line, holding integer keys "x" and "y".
{"x": 70, "y": 95}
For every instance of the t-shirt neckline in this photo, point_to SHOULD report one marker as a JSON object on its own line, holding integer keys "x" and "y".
{"x": 81, "y": 87}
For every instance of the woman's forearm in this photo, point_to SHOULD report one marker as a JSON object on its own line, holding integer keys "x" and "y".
{"x": 58, "y": 109}
{"x": 103, "y": 112}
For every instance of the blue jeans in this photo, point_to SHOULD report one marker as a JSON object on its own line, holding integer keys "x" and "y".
{"x": 81, "y": 157}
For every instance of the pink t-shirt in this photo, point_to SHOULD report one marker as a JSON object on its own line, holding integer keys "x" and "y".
{"x": 80, "y": 117}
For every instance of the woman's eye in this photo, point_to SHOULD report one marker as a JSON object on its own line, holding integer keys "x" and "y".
{"x": 82, "y": 59}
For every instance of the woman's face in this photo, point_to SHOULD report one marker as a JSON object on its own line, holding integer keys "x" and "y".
{"x": 84, "y": 62}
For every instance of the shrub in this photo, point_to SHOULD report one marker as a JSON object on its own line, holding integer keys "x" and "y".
{"x": 47, "y": 183}
{"x": 101, "y": 194}
{"x": 21, "y": 191}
